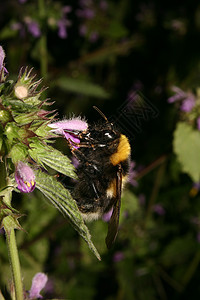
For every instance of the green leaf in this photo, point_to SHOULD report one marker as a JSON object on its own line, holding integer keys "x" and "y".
{"x": 18, "y": 106}
{"x": 187, "y": 148}
{"x": 81, "y": 87}
{"x": 178, "y": 250}
{"x": 9, "y": 217}
{"x": 26, "y": 118}
{"x": 62, "y": 200}
{"x": 11, "y": 222}
{"x": 18, "y": 152}
{"x": 53, "y": 158}
{"x": 11, "y": 131}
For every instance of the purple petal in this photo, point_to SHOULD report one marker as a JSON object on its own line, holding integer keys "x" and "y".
{"x": 179, "y": 95}
{"x": 158, "y": 209}
{"x": 188, "y": 104}
{"x": 38, "y": 283}
{"x": 118, "y": 256}
{"x": 71, "y": 125}
{"x": 24, "y": 177}
{"x": 75, "y": 161}
{"x": 106, "y": 217}
{"x": 70, "y": 129}
{"x": 72, "y": 139}
{"x": 33, "y": 28}
{"x": 62, "y": 30}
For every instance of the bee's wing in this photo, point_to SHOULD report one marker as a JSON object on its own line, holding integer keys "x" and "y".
{"x": 114, "y": 220}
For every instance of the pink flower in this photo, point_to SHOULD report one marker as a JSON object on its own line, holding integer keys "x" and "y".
{"x": 33, "y": 28}
{"x": 179, "y": 95}
{"x": 118, "y": 256}
{"x": 24, "y": 177}
{"x": 188, "y": 103}
{"x": 106, "y": 217}
{"x": 38, "y": 283}
{"x": 187, "y": 99}
{"x": 158, "y": 209}
{"x": 70, "y": 129}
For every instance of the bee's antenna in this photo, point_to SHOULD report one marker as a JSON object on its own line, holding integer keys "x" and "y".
{"x": 100, "y": 112}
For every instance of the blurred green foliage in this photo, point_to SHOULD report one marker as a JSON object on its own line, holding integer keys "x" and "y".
{"x": 126, "y": 46}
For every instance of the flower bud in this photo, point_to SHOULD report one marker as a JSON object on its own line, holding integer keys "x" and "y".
{"x": 21, "y": 91}
{"x": 24, "y": 177}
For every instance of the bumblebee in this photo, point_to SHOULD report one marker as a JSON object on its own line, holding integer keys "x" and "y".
{"x": 103, "y": 154}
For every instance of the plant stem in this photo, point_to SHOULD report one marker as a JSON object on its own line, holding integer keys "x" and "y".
{"x": 43, "y": 56}
{"x": 13, "y": 252}
{"x": 15, "y": 264}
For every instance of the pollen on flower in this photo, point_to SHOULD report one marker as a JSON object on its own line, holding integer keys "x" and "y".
{"x": 29, "y": 184}
{"x": 24, "y": 177}
{"x": 21, "y": 91}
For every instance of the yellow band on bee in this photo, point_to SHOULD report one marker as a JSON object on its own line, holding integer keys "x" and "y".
{"x": 123, "y": 151}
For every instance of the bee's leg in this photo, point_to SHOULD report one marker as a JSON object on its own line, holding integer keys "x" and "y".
{"x": 79, "y": 155}
{"x": 84, "y": 144}
{"x": 72, "y": 143}
{"x": 95, "y": 190}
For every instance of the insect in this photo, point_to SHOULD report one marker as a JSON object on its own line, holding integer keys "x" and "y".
{"x": 103, "y": 153}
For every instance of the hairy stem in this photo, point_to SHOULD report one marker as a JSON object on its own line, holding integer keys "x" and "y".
{"x": 15, "y": 264}
{"x": 12, "y": 251}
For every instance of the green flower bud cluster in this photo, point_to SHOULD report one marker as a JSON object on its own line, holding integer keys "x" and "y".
{"x": 23, "y": 121}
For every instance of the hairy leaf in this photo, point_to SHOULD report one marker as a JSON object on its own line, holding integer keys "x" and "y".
{"x": 53, "y": 158}
{"x": 62, "y": 200}
{"x": 187, "y": 148}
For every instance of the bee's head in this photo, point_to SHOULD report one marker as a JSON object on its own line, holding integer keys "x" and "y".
{"x": 103, "y": 133}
